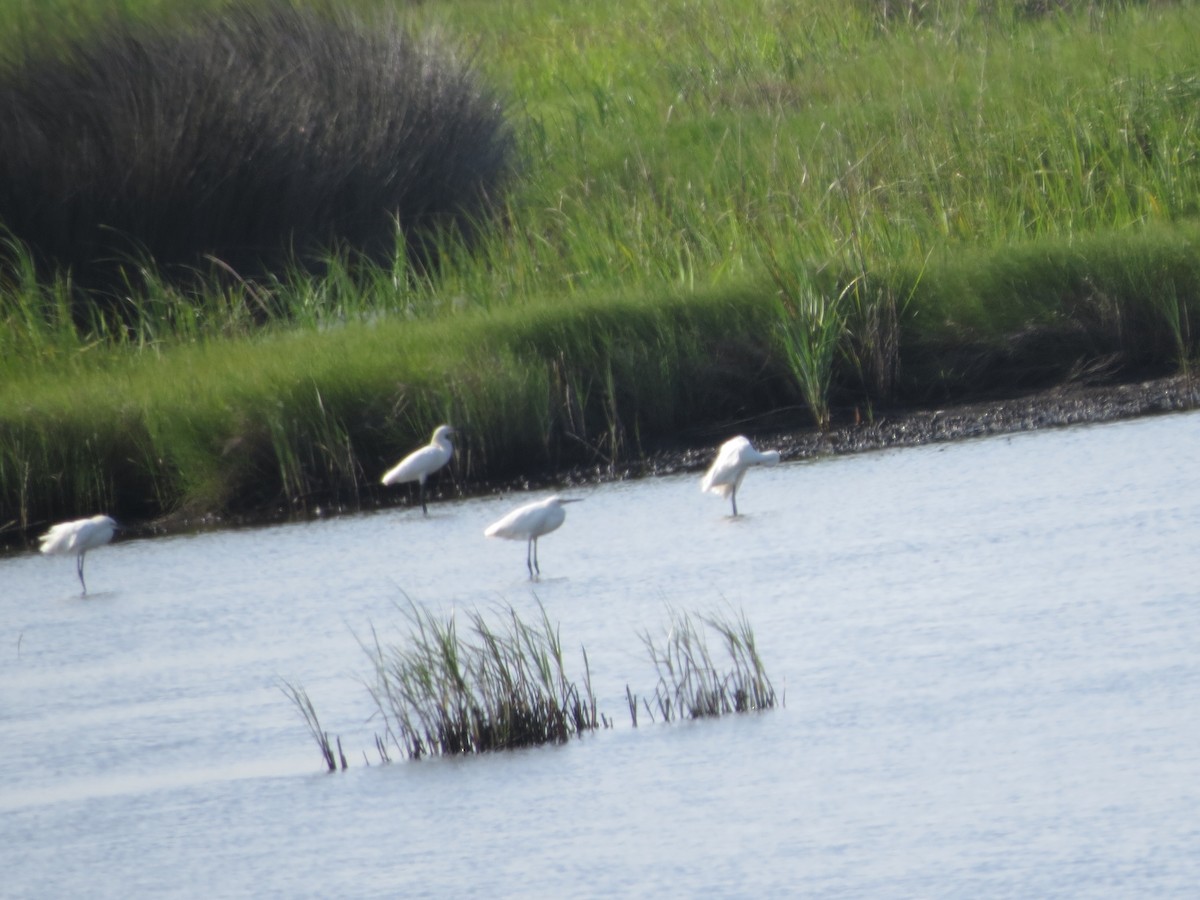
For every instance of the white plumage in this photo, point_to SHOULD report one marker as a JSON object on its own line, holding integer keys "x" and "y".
{"x": 530, "y": 522}
{"x": 422, "y": 463}
{"x": 725, "y": 475}
{"x": 78, "y": 537}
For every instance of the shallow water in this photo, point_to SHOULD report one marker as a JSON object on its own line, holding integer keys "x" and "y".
{"x": 988, "y": 651}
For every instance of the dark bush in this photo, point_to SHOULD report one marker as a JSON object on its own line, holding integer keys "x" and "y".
{"x": 263, "y": 136}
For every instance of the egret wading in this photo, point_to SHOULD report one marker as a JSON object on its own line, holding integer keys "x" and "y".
{"x": 725, "y": 475}
{"x": 422, "y": 463}
{"x": 529, "y": 522}
{"x": 78, "y": 537}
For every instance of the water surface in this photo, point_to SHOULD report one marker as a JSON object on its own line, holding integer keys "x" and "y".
{"x": 988, "y": 651}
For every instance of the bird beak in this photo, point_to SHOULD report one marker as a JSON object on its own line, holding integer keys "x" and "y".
{"x": 572, "y": 499}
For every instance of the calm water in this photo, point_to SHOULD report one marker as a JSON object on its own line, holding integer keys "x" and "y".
{"x": 990, "y": 651}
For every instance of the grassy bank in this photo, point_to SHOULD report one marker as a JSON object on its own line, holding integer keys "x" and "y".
{"x": 726, "y": 208}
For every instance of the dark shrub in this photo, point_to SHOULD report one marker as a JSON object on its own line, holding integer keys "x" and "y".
{"x": 263, "y": 136}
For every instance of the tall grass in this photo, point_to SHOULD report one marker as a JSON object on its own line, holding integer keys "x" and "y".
{"x": 1030, "y": 313}
{"x": 658, "y": 156}
{"x": 691, "y": 685}
{"x": 292, "y": 420}
{"x": 813, "y": 323}
{"x": 496, "y": 688}
{"x": 969, "y": 195}
{"x": 501, "y": 684}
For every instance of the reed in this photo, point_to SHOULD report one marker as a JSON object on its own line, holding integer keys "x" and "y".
{"x": 495, "y": 688}
{"x": 303, "y": 702}
{"x": 503, "y": 685}
{"x": 812, "y": 326}
{"x": 691, "y": 685}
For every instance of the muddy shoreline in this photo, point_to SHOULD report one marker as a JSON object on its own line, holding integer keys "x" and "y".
{"x": 1057, "y": 407}
{"x": 791, "y": 433}
{"x": 852, "y": 432}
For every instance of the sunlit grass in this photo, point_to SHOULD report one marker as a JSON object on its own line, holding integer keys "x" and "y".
{"x": 947, "y": 183}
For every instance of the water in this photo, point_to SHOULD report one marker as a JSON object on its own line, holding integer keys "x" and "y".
{"x": 988, "y": 651}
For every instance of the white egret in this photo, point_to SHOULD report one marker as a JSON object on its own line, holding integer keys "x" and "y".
{"x": 528, "y": 523}
{"x": 725, "y": 475}
{"x": 78, "y": 537}
{"x": 422, "y": 463}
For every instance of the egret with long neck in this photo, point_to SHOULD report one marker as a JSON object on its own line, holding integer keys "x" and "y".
{"x": 422, "y": 463}
{"x": 530, "y": 522}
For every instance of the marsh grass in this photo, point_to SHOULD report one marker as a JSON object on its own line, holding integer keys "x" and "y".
{"x": 812, "y": 326}
{"x": 1177, "y": 319}
{"x": 296, "y": 419}
{"x": 691, "y": 685}
{"x": 970, "y": 198}
{"x": 1031, "y": 313}
{"x": 501, "y": 684}
{"x": 304, "y": 704}
{"x": 497, "y": 687}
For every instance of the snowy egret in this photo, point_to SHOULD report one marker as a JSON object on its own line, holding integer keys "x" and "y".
{"x": 725, "y": 475}
{"x": 420, "y": 464}
{"x": 78, "y": 537}
{"x": 530, "y": 522}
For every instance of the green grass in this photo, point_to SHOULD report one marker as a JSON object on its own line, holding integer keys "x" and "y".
{"x": 975, "y": 196}
{"x": 494, "y": 687}
{"x": 297, "y": 414}
{"x": 691, "y": 685}
{"x": 499, "y": 683}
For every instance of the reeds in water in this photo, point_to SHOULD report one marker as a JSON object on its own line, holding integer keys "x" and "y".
{"x": 503, "y": 687}
{"x": 304, "y": 703}
{"x": 494, "y": 688}
{"x": 691, "y": 686}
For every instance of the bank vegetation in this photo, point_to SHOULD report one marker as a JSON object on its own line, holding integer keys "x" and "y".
{"x": 699, "y": 213}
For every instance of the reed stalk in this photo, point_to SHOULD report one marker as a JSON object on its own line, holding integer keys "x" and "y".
{"x": 304, "y": 703}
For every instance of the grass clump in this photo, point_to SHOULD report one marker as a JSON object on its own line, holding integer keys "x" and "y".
{"x": 497, "y": 688}
{"x": 690, "y": 684}
{"x": 242, "y": 140}
{"x": 504, "y": 687}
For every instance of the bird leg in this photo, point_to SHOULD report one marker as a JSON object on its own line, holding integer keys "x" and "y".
{"x": 536, "y": 567}
{"x": 529, "y": 557}
{"x": 79, "y": 570}
{"x": 733, "y": 500}
{"x": 421, "y": 493}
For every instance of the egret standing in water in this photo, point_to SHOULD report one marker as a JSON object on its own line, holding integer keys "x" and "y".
{"x": 528, "y": 523}
{"x": 78, "y": 537}
{"x": 420, "y": 464}
{"x": 725, "y": 475}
